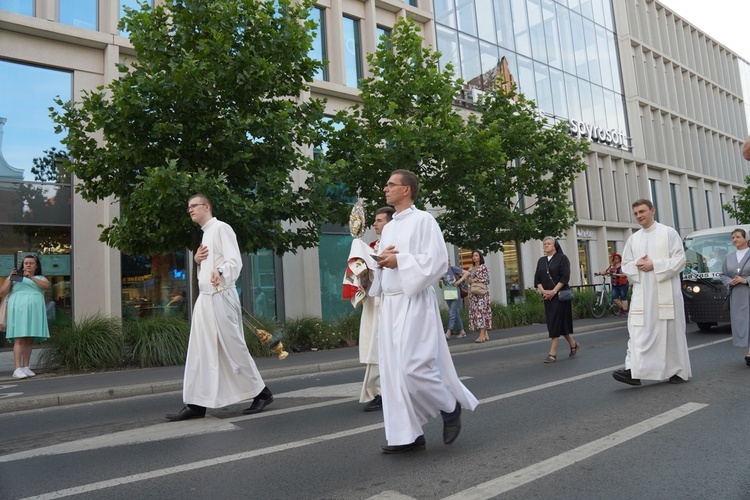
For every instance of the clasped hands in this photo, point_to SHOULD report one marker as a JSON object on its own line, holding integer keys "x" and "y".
{"x": 644, "y": 264}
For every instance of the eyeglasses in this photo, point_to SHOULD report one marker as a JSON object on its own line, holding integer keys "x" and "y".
{"x": 190, "y": 207}
{"x": 392, "y": 185}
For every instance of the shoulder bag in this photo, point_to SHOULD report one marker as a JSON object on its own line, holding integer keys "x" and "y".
{"x": 4, "y": 312}
{"x": 462, "y": 290}
{"x": 564, "y": 295}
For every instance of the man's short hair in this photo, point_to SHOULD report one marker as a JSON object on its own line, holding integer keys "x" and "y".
{"x": 388, "y": 211}
{"x": 409, "y": 178}
{"x": 643, "y": 201}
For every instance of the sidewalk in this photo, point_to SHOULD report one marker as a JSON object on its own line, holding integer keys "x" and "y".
{"x": 48, "y": 390}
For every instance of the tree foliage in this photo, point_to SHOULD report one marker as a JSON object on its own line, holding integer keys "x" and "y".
{"x": 210, "y": 105}
{"x": 500, "y": 175}
{"x": 406, "y": 120}
{"x": 740, "y": 207}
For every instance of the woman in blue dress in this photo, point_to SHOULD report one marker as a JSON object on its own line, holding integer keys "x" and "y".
{"x": 27, "y": 318}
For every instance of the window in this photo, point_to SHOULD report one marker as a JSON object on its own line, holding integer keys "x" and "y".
{"x": 352, "y": 52}
{"x": 675, "y": 211}
{"x": 691, "y": 192}
{"x": 25, "y": 7}
{"x": 79, "y": 13}
{"x": 133, "y": 4}
{"x": 35, "y": 209}
{"x": 653, "y": 189}
{"x": 318, "y": 49}
{"x": 382, "y": 33}
{"x": 332, "y": 251}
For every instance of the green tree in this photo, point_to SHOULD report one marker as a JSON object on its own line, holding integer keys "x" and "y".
{"x": 502, "y": 174}
{"x": 406, "y": 120}
{"x": 740, "y": 207}
{"x": 211, "y": 105}
{"x": 520, "y": 173}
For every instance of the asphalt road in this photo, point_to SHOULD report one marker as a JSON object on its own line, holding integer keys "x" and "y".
{"x": 565, "y": 430}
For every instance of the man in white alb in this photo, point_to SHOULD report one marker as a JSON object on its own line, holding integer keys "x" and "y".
{"x": 219, "y": 370}
{"x": 653, "y": 259}
{"x": 417, "y": 377}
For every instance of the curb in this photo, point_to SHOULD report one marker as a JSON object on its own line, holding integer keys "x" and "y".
{"x": 120, "y": 392}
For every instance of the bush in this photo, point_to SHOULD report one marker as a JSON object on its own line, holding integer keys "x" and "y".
{"x": 346, "y": 328}
{"x": 95, "y": 343}
{"x": 310, "y": 332}
{"x": 156, "y": 341}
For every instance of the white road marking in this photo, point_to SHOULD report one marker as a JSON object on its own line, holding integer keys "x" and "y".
{"x": 508, "y": 482}
{"x": 314, "y": 440}
{"x": 159, "y": 432}
{"x": 86, "y": 488}
{"x": 330, "y": 391}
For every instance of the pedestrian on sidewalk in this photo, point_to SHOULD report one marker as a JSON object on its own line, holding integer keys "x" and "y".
{"x": 26, "y": 313}
{"x": 454, "y": 280}
{"x": 417, "y": 375}
{"x": 552, "y": 275}
{"x": 653, "y": 259}
{"x": 219, "y": 370}
{"x": 480, "y": 307}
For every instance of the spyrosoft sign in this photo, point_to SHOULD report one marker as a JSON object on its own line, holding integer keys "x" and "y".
{"x": 593, "y": 133}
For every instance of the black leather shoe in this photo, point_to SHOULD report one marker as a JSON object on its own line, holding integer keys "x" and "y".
{"x": 676, "y": 379}
{"x": 625, "y": 377}
{"x": 375, "y": 405}
{"x": 418, "y": 445}
{"x": 184, "y": 414}
{"x": 258, "y": 405}
{"x": 452, "y": 427}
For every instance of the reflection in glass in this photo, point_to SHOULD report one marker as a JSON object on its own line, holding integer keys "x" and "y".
{"x": 352, "y": 52}
{"x": 521, "y": 27}
{"x": 579, "y": 44}
{"x": 79, "y": 13}
{"x": 466, "y": 17}
{"x": 566, "y": 40}
{"x": 592, "y": 53}
{"x": 574, "y": 99}
{"x": 604, "y": 57}
{"x": 554, "y": 55}
{"x": 536, "y": 30}
{"x": 559, "y": 98}
{"x": 155, "y": 286}
{"x": 543, "y": 88}
{"x": 486, "y": 21}
{"x": 504, "y": 22}
{"x": 318, "y": 47}
{"x": 26, "y": 93}
{"x": 258, "y": 284}
{"x": 526, "y": 80}
{"x": 447, "y": 40}
{"x": 587, "y": 105}
{"x": 445, "y": 13}
{"x": 597, "y": 97}
{"x": 470, "y": 68}
{"x": 490, "y": 62}
{"x": 24, "y": 7}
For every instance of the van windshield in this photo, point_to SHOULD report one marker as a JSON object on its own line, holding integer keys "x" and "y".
{"x": 704, "y": 255}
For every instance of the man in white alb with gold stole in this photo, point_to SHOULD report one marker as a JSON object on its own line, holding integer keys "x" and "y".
{"x": 653, "y": 259}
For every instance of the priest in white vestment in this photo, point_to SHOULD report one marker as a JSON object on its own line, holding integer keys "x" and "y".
{"x": 219, "y": 370}
{"x": 418, "y": 379}
{"x": 653, "y": 259}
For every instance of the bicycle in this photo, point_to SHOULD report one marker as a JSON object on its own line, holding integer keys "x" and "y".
{"x": 602, "y": 301}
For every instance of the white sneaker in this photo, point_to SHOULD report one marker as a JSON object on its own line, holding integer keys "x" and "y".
{"x": 28, "y": 371}
{"x": 19, "y": 373}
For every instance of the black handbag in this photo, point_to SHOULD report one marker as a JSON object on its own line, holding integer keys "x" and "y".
{"x": 565, "y": 295}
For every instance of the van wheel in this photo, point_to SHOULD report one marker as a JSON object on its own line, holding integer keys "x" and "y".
{"x": 705, "y": 327}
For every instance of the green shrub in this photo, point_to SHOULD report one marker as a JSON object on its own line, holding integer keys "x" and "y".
{"x": 156, "y": 341}
{"x": 346, "y": 328}
{"x": 310, "y": 332}
{"x": 94, "y": 343}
